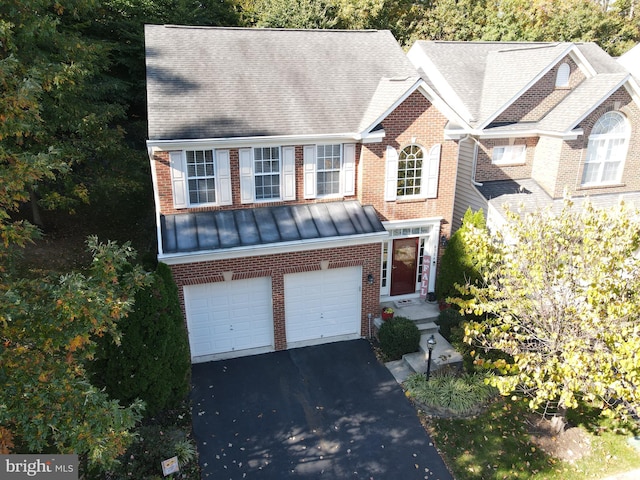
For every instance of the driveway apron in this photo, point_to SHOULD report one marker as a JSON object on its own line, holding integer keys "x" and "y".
{"x": 328, "y": 411}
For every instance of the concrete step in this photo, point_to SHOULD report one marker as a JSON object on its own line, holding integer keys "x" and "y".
{"x": 443, "y": 355}
{"x": 427, "y": 327}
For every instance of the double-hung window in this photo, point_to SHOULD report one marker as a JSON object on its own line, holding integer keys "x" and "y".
{"x": 200, "y": 177}
{"x": 201, "y": 181}
{"x": 606, "y": 150}
{"x": 267, "y": 173}
{"x": 509, "y": 155}
{"x": 329, "y": 162}
{"x": 329, "y": 170}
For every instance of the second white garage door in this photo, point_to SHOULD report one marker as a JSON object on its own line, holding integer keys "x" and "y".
{"x": 323, "y": 306}
{"x": 227, "y": 319}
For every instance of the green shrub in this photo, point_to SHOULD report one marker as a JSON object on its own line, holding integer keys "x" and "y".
{"x": 399, "y": 336}
{"x": 448, "y": 319}
{"x": 152, "y": 362}
{"x": 153, "y": 444}
{"x": 445, "y": 390}
{"x": 456, "y": 265}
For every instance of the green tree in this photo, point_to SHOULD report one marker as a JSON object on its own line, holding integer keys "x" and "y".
{"x": 560, "y": 294}
{"x": 290, "y": 14}
{"x": 47, "y": 328}
{"x": 58, "y": 110}
{"x": 457, "y": 266}
{"x": 152, "y": 360}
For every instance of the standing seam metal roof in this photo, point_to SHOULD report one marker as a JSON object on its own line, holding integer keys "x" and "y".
{"x": 224, "y": 229}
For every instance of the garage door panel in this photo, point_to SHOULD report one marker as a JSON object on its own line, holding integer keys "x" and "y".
{"x": 229, "y": 316}
{"x": 323, "y": 304}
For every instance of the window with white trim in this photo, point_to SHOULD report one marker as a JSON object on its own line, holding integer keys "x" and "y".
{"x": 267, "y": 173}
{"x": 329, "y": 170}
{"x": 200, "y": 177}
{"x": 509, "y": 154}
{"x": 410, "y": 171}
{"x": 562, "y": 76}
{"x": 606, "y": 150}
{"x": 201, "y": 182}
{"x": 329, "y": 163}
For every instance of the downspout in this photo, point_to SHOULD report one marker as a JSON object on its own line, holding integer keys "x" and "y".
{"x": 475, "y": 160}
{"x": 156, "y": 200}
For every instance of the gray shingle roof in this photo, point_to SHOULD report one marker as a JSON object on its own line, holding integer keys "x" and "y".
{"x": 207, "y": 82}
{"x": 224, "y": 229}
{"x": 527, "y": 196}
{"x": 487, "y": 76}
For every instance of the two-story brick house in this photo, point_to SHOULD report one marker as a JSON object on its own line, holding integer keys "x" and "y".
{"x": 538, "y": 120}
{"x": 300, "y": 178}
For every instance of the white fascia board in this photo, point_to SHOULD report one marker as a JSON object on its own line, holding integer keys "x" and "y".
{"x": 534, "y": 132}
{"x": 395, "y": 105}
{"x": 530, "y": 84}
{"x": 441, "y": 105}
{"x": 413, "y": 222}
{"x": 599, "y": 101}
{"x": 273, "y": 249}
{"x": 582, "y": 62}
{"x": 374, "y": 137}
{"x": 633, "y": 89}
{"x": 421, "y": 61}
{"x": 233, "y": 142}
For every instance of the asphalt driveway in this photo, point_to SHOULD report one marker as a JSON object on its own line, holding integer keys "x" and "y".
{"x": 329, "y": 411}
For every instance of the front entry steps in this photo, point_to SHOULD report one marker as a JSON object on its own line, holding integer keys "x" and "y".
{"x": 443, "y": 353}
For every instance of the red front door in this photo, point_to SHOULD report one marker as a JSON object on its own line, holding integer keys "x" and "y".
{"x": 404, "y": 265}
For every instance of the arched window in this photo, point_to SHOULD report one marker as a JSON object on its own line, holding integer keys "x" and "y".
{"x": 410, "y": 170}
{"x": 607, "y": 150}
{"x": 562, "y": 77}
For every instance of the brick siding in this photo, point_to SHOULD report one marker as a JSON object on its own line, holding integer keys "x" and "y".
{"x": 278, "y": 265}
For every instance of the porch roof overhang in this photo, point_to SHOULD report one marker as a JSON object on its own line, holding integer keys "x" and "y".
{"x": 213, "y": 235}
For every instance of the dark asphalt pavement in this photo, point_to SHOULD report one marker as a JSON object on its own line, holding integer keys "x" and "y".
{"x": 329, "y": 411}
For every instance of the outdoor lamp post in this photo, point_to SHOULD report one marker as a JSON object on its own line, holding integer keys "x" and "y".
{"x": 431, "y": 343}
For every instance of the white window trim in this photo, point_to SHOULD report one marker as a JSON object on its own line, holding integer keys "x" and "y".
{"x": 430, "y": 174}
{"x": 347, "y": 171}
{"x": 287, "y": 175}
{"x": 514, "y": 154}
{"x": 563, "y": 76}
{"x": 608, "y": 137}
{"x": 180, "y": 179}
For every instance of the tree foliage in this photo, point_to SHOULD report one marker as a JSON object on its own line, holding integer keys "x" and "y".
{"x": 560, "y": 294}
{"x": 457, "y": 266}
{"x": 152, "y": 360}
{"x": 47, "y": 331}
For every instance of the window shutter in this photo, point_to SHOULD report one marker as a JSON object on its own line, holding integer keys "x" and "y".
{"x": 432, "y": 170}
{"x": 288, "y": 173}
{"x": 178, "y": 179}
{"x": 246, "y": 176}
{"x": 391, "y": 176}
{"x": 310, "y": 171}
{"x": 349, "y": 169}
{"x": 223, "y": 177}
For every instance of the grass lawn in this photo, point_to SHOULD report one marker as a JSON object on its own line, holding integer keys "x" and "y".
{"x": 497, "y": 445}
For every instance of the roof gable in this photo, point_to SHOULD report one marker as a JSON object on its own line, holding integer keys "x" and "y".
{"x": 208, "y": 82}
{"x": 483, "y": 79}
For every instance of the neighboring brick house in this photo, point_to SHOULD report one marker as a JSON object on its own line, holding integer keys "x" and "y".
{"x": 301, "y": 177}
{"x": 538, "y": 120}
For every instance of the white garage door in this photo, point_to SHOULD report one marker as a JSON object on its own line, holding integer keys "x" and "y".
{"x": 229, "y": 318}
{"x": 323, "y": 306}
